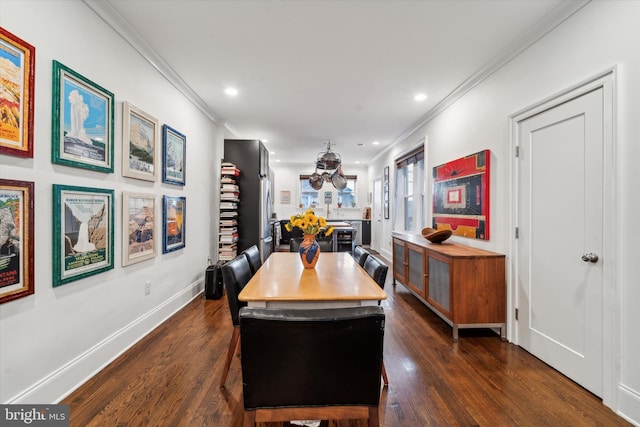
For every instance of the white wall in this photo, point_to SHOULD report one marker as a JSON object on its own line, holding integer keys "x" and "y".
{"x": 601, "y": 35}
{"x": 54, "y": 340}
{"x": 287, "y": 178}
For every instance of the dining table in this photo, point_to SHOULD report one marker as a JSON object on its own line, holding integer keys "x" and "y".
{"x": 337, "y": 281}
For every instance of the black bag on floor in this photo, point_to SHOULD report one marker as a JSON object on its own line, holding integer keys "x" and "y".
{"x": 213, "y": 287}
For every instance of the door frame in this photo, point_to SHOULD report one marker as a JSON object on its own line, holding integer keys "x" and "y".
{"x": 611, "y": 292}
{"x": 376, "y": 223}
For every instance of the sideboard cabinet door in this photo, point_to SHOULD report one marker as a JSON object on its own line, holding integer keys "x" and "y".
{"x": 439, "y": 288}
{"x": 399, "y": 263}
{"x": 416, "y": 270}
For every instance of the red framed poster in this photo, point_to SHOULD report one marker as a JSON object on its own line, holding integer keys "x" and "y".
{"x": 461, "y": 196}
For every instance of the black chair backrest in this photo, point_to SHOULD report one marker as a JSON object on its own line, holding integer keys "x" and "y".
{"x": 235, "y": 275}
{"x": 310, "y": 357}
{"x": 326, "y": 244}
{"x": 360, "y": 254}
{"x": 285, "y": 235}
{"x": 376, "y": 269}
{"x": 253, "y": 256}
{"x": 294, "y": 244}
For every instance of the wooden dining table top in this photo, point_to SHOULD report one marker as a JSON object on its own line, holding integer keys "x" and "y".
{"x": 337, "y": 277}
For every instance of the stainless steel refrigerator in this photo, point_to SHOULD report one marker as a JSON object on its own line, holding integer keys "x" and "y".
{"x": 256, "y": 202}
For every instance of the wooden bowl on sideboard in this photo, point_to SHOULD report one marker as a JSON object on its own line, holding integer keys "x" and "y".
{"x": 436, "y": 236}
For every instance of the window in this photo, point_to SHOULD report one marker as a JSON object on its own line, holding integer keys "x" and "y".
{"x": 308, "y": 196}
{"x": 409, "y": 194}
{"x": 347, "y": 196}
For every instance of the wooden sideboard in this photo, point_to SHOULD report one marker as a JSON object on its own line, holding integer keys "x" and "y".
{"x": 465, "y": 286}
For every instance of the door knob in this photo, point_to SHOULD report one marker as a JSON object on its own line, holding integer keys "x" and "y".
{"x": 591, "y": 257}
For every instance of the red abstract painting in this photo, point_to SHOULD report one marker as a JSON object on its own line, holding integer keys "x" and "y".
{"x": 461, "y": 196}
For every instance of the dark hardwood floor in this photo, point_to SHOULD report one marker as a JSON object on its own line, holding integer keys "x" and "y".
{"x": 171, "y": 377}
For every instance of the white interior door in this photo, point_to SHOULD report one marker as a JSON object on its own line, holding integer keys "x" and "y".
{"x": 560, "y": 222}
{"x": 376, "y": 214}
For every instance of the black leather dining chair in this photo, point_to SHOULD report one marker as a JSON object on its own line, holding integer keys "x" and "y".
{"x": 311, "y": 364}
{"x": 360, "y": 254}
{"x": 253, "y": 256}
{"x": 376, "y": 269}
{"x": 235, "y": 275}
{"x": 326, "y": 244}
{"x": 378, "y": 272}
{"x": 294, "y": 244}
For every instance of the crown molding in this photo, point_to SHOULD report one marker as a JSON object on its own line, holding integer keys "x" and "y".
{"x": 550, "y": 21}
{"x": 108, "y": 14}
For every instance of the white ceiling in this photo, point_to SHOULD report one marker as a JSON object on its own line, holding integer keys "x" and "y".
{"x": 312, "y": 71}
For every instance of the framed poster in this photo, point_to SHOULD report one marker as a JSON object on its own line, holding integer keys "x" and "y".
{"x": 82, "y": 122}
{"x": 82, "y": 232}
{"x": 16, "y": 239}
{"x": 138, "y": 227}
{"x": 461, "y": 196}
{"x": 385, "y": 192}
{"x": 173, "y": 223}
{"x": 285, "y": 197}
{"x": 140, "y": 141}
{"x": 17, "y": 68}
{"x": 173, "y": 156}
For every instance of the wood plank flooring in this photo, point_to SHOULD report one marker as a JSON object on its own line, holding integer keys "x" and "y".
{"x": 171, "y": 377}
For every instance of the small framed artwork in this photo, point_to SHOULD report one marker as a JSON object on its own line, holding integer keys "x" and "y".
{"x": 82, "y": 232}
{"x": 17, "y": 68}
{"x": 285, "y": 197}
{"x": 327, "y": 197}
{"x": 138, "y": 227}
{"x": 82, "y": 123}
{"x": 173, "y": 156}
{"x": 385, "y": 192}
{"x": 173, "y": 223}
{"x": 140, "y": 141}
{"x": 16, "y": 239}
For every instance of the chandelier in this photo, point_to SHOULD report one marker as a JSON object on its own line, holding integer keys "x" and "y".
{"x": 331, "y": 164}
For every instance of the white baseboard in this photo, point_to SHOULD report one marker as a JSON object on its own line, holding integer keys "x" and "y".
{"x": 62, "y": 382}
{"x": 629, "y": 404}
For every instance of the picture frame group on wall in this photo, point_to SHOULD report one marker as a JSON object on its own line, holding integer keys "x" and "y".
{"x": 174, "y": 214}
{"x": 16, "y": 239}
{"x": 82, "y": 136}
{"x": 17, "y": 94}
{"x": 173, "y": 156}
{"x": 139, "y": 225}
{"x": 83, "y": 232}
{"x": 140, "y": 142}
{"x": 82, "y": 121}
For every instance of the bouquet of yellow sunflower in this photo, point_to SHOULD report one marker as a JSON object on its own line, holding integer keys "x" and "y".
{"x": 309, "y": 223}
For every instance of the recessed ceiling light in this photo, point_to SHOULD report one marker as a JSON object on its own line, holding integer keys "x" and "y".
{"x": 420, "y": 97}
{"x": 357, "y": 162}
{"x": 264, "y": 140}
{"x": 277, "y": 160}
{"x": 376, "y": 142}
{"x": 231, "y": 91}
{"x": 272, "y": 152}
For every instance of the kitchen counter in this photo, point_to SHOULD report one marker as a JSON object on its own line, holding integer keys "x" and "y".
{"x": 361, "y": 226}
